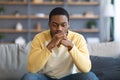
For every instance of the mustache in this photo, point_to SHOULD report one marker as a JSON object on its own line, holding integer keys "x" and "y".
{"x": 58, "y": 31}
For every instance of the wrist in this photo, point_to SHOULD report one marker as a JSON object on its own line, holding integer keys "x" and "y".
{"x": 50, "y": 46}
{"x": 70, "y": 47}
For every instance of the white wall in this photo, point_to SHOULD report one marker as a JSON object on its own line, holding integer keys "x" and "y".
{"x": 103, "y": 27}
{"x": 117, "y": 21}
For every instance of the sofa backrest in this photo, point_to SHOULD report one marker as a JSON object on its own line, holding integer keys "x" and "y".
{"x": 13, "y": 57}
{"x": 105, "y": 49}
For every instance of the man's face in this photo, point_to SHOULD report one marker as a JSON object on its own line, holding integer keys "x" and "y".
{"x": 58, "y": 23}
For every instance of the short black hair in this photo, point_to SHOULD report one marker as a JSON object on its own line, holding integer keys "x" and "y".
{"x": 58, "y": 11}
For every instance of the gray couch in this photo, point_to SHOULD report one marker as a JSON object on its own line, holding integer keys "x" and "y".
{"x": 105, "y": 59}
{"x": 13, "y": 59}
{"x": 104, "y": 56}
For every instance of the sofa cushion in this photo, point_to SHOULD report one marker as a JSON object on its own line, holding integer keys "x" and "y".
{"x": 106, "y": 68}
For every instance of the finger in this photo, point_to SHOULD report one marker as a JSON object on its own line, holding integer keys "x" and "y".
{"x": 60, "y": 36}
{"x": 59, "y": 45}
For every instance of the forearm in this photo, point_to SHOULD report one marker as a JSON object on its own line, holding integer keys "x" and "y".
{"x": 37, "y": 59}
{"x": 81, "y": 59}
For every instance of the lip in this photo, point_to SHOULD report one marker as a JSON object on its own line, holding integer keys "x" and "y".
{"x": 60, "y": 31}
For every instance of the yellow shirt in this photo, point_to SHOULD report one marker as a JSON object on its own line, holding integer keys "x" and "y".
{"x": 60, "y": 62}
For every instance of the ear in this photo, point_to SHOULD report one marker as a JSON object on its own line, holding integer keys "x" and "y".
{"x": 49, "y": 23}
{"x": 68, "y": 24}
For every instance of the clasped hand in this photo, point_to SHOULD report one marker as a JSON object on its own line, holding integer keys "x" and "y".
{"x": 58, "y": 39}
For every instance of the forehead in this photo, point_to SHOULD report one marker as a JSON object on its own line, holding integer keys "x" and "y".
{"x": 59, "y": 18}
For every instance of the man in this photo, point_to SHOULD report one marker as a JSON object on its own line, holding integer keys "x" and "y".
{"x": 58, "y": 53}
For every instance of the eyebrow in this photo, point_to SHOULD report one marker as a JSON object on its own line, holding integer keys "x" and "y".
{"x": 60, "y": 23}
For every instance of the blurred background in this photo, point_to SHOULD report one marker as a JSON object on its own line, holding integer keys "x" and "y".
{"x": 97, "y": 20}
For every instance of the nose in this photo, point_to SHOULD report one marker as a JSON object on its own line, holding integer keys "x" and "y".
{"x": 59, "y": 27}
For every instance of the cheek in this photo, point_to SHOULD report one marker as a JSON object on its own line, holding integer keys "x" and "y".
{"x": 65, "y": 29}
{"x": 53, "y": 29}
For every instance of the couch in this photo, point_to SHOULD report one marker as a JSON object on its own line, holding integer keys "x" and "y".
{"x": 13, "y": 60}
{"x": 105, "y": 59}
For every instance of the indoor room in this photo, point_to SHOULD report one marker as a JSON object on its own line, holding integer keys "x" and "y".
{"x": 94, "y": 23}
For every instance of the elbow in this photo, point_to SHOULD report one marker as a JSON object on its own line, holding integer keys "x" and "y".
{"x": 31, "y": 69}
{"x": 87, "y": 69}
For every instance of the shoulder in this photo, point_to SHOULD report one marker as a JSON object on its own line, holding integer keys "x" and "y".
{"x": 43, "y": 34}
{"x": 77, "y": 38}
{"x": 75, "y": 35}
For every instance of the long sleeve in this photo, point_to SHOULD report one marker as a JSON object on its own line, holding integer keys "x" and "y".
{"x": 80, "y": 55}
{"x": 38, "y": 56}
